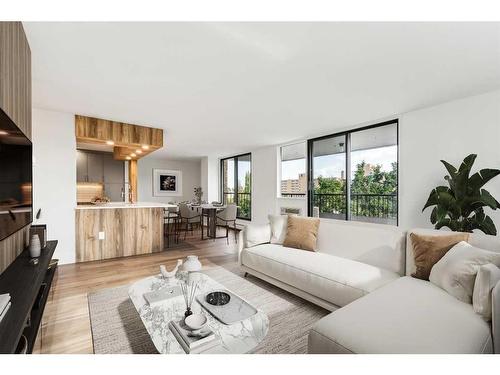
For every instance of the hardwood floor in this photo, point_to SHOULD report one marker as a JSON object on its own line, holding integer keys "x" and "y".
{"x": 66, "y": 322}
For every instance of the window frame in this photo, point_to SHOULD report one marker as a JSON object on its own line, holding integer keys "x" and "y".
{"x": 280, "y": 166}
{"x": 236, "y": 198}
{"x": 347, "y": 135}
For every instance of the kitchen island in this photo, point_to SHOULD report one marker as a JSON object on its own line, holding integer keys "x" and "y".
{"x": 118, "y": 229}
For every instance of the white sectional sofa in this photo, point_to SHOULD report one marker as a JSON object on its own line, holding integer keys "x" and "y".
{"x": 364, "y": 269}
{"x": 411, "y": 316}
{"x": 352, "y": 259}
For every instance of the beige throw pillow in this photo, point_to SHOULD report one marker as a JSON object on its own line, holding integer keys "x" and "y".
{"x": 428, "y": 250}
{"x": 278, "y": 225}
{"x": 487, "y": 278}
{"x": 457, "y": 269}
{"x": 302, "y": 233}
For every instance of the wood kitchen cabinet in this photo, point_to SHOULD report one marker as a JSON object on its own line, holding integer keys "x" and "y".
{"x": 127, "y": 232}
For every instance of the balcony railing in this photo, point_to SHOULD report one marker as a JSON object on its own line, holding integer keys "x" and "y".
{"x": 381, "y": 208}
{"x": 244, "y": 202}
{"x": 294, "y": 195}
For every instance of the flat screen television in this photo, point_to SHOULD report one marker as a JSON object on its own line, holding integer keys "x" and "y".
{"x": 16, "y": 209}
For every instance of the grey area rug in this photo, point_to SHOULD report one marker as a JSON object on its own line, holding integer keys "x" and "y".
{"x": 118, "y": 329}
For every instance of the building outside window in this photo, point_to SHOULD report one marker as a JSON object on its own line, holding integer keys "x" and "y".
{"x": 236, "y": 173}
{"x": 354, "y": 175}
{"x": 293, "y": 181}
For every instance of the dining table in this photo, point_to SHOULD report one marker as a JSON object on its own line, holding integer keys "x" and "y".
{"x": 209, "y": 211}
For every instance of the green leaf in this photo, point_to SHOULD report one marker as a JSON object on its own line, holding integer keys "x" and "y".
{"x": 467, "y": 164}
{"x": 484, "y": 198}
{"x": 450, "y": 168}
{"x": 433, "y": 196}
{"x": 451, "y": 182}
{"x": 482, "y": 222}
{"x": 446, "y": 201}
{"x": 460, "y": 180}
{"x": 452, "y": 224}
{"x": 434, "y": 215}
{"x": 488, "y": 199}
{"x": 442, "y": 211}
{"x": 479, "y": 179}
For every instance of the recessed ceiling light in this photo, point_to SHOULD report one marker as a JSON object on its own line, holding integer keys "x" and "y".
{"x": 133, "y": 155}
{"x": 138, "y": 151}
{"x": 111, "y": 143}
{"x": 3, "y": 132}
{"x": 145, "y": 147}
{"x": 128, "y": 158}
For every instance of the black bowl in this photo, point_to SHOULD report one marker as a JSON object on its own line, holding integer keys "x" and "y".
{"x": 218, "y": 298}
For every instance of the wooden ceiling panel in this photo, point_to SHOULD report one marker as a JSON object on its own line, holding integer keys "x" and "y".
{"x": 126, "y": 138}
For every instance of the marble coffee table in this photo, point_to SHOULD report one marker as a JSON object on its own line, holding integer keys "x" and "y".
{"x": 237, "y": 338}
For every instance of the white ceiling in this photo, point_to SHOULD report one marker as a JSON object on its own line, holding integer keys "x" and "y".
{"x": 223, "y": 88}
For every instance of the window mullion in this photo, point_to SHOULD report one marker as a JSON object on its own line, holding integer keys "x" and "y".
{"x": 348, "y": 176}
{"x": 236, "y": 198}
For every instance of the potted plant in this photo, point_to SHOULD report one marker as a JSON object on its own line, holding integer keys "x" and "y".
{"x": 198, "y": 193}
{"x": 460, "y": 206}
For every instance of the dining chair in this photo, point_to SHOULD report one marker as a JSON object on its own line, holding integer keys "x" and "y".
{"x": 228, "y": 216}
{"x": 188, "y": 216}
{"x": 171, "y": 220}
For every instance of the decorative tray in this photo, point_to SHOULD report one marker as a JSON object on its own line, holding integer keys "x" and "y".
{"x": 227, "y": 310}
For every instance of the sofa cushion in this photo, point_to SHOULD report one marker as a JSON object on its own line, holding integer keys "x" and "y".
{"x": 457, "y": 270}
{"x": 481, "y": 240}
{"x": 256, "y": 234}
{"x": 428, "y": 250}
{"x": 488, "y": 276}
{"x": 278, "y": 225}
{"x": 301, "y": 233}
{"x": 406, "y": 316}
{"x": 377, "y": 244}
{"x": 333, "y": 279}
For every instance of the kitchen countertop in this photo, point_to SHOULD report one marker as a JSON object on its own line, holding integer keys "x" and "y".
{"x": 112, "y": 205}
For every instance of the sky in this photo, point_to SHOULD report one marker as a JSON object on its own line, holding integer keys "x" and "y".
{"x": 326, "y": 166}
{"x": 243, "y": 169}
{"x": 332, "y": 165}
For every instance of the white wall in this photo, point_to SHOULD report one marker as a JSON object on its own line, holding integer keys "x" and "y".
{"x": 449, "y": 131}
{"x": 264, "y": 172}
{"x": 54, "y": 178}
{"x": 191, "y": 178}
{"x": 210, "y": 178}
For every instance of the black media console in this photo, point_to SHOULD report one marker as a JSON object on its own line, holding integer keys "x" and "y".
{"x": 29, "y": 287}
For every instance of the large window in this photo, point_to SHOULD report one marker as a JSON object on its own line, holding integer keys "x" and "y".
{"x": 354, "y": 175}
{"x": 237, "y": 184}
{"x": 293, "y": 182}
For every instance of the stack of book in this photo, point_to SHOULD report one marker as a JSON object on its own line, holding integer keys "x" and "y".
{"x": 193, "y": 342}
{"x": 157, "y": 297}
{"x": 4, "y": 305}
